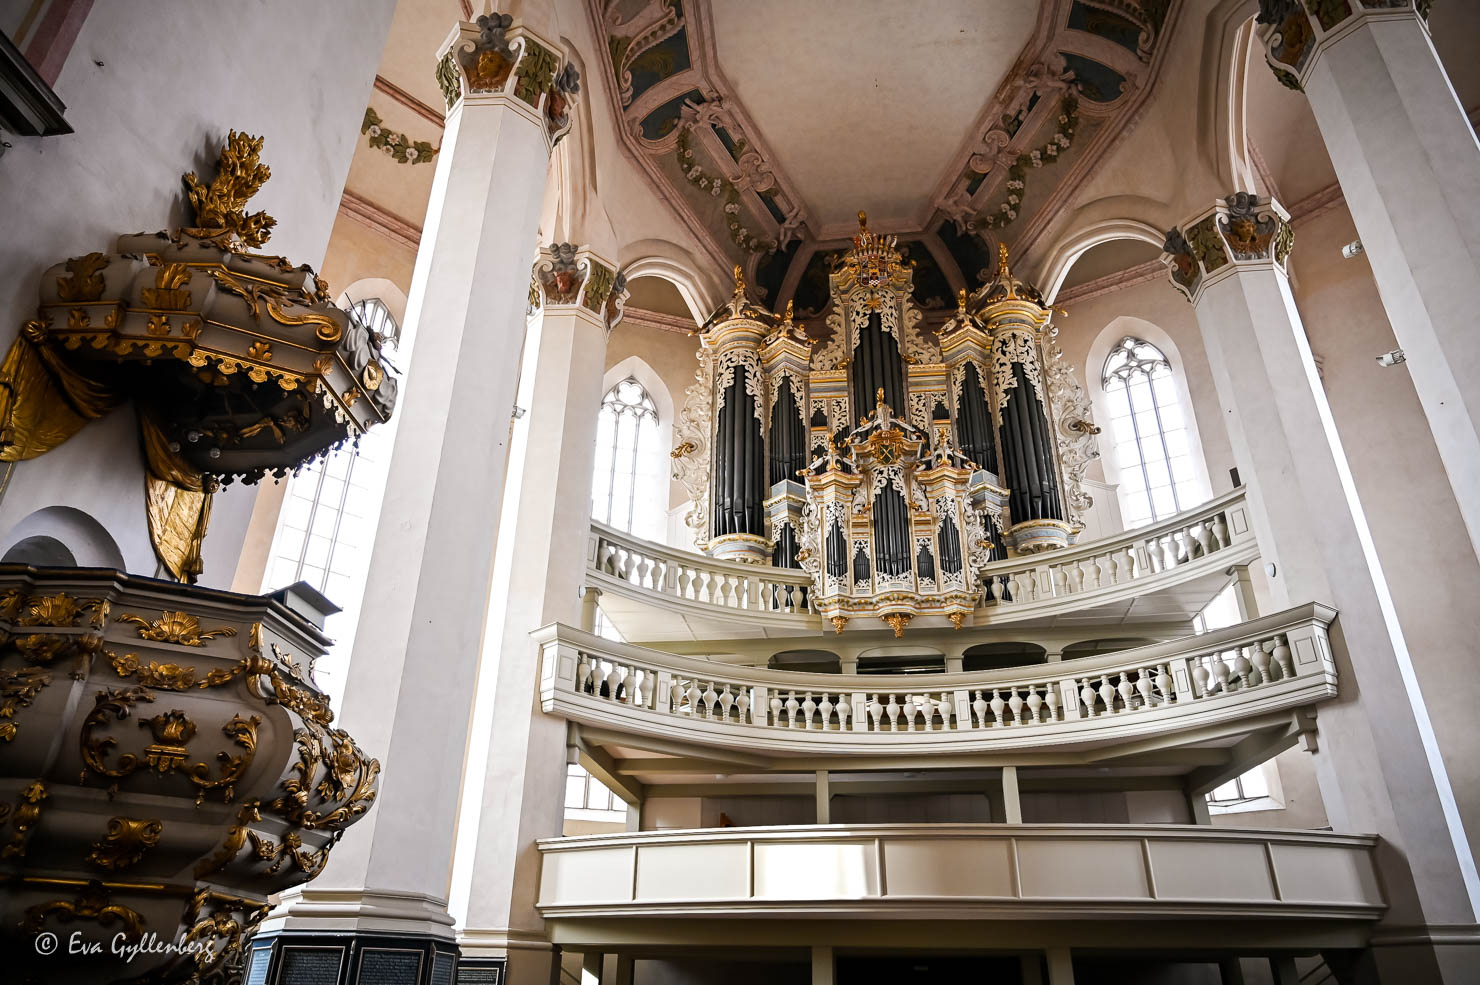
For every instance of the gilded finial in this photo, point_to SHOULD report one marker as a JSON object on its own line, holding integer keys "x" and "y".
{"x": 221, "y": 207}
{"x": 1002, "y": 260}
{"x": 788, "y": 311}
{"x": 879, "y": 397}
{"x": 739, "y": 280}
{"x": 961, "y": 301}
{"x": 862, "y": 221}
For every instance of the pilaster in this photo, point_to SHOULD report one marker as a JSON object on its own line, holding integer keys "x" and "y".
{"x": 1409, "y": 166}
{"x": 546, "y": 526}
{"x": 509, "y": 98}
{"x": 1378, "y": 763}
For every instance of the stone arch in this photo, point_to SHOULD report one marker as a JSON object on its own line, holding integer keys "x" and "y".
{"x": 1222, "y": 132}
{"x": 660, "y": 258}
{"x": 1000, "y": 655}
{"x": 57, "y": 532}
{"x": 1093, "y": 648}
{"x": 806, "y": 661}
{"x": 1072, "y": 247}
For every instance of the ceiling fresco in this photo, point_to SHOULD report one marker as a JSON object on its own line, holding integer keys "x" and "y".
{"x": 1020, "y": 100}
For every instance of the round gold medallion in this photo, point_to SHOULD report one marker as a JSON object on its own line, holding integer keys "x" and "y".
{"x": 372, "y": 376}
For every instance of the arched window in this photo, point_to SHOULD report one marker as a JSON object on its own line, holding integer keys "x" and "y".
{"x": 627, "y": 492}
{"x": 1157, "y": 475}
{"x": 326, "y": 526}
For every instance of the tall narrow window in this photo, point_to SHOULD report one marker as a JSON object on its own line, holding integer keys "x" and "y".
{"x": 326, "y": 527}
{"x": 627, "y": 491}
{"x": 1157, "y": 477}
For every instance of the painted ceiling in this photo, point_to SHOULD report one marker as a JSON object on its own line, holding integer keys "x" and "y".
{"x": 768, "y": 167}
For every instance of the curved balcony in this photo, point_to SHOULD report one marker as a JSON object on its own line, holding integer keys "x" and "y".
{"x": 1164, "y": 572}
{"x": 991, "y": 871}
{"x": 1235, "y": 679}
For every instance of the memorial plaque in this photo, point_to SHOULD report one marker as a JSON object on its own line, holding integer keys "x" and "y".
{"x": 443, "y": 965}
{"x": 311, "y": 965}
{"x": 387, "y": 966}
{"x": 258, "y": 962}
{"x": 485, "y": 971}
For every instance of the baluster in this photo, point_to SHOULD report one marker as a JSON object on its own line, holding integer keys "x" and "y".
{"x": 1168, "y": 553}
{"x": 742, "y": 705}
{"x": 1164, "y": 683}
{"x": 1221, "y": 673}
{"x": 892, "y": 709}
{"x": 1089, "y": 574}
{"x": 776, "y": 706}
{"x": 1105, "y": 570}
{"x": 641, "y": 569}
{"x": 1035, "y": 702}
{"x": 598, "y": 678}
{"x": 825, "y": 710}
{"x": 583, "y": 671}
{"x": 1143, "y": 686}
{"x": 726, "y": 703}
{"x": 792, "y": 704}
{"x": 1205, "y": 538}
{"x": 1125, "y": 566}
{"x": 979, "y": 707}
{"x": 1242, "y": 668}
{"x": 1107, "y": 693}
{"x": 875, "y": 712}
{"x": 994, "y": 587}
{"x": 1061, "y": 584}
{"x": 1220, "y": 530}
{"x": 1051, "y": 699}
{"x": 1200, "y": 678}
{"x": 1076, "y": 578}
{"x": 997, "y": 704}
{"x": 1127, "y": 691}
{"x": 809, "y": 708}
{"x": 1281, "y": 656}
{"x": 1087, "y": 695}
{"x": 628, "y": 680}
{"x": 645, "y": 689}
{"x": 693, "y": 696}
{"x": 675, "y": 696}
{"x": 1260, "y": 659}
{"x": 844, "y": 710}
{"x": 1184, "y": 546}
{"x": 1015, "y": 704}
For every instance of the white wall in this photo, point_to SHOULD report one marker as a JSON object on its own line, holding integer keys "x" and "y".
{"x": 151, "y": 88}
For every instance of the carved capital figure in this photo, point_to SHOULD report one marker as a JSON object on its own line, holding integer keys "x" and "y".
{"x": 1241, "y": 230}
{"x": 1294, "y": 32}
{"x": 493, "y": 57}
{"x": 569, "y": 275}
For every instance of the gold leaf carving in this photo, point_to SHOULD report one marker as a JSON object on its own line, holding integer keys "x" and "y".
{"x": 91, "y": 905}
{"x": 175, "y": 627}
{"x": 125, "y": 843}
{"x": 168, "y": 291}
{"x": 221, "y": 207}
{"x": 23, "y": 818}
{"x": 18, "y": 688}
{"x": 85, "y": 282}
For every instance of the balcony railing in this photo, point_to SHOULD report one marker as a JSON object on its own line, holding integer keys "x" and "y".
{"x": 1192, "y": 544}
{"x": 1243, "y": 672}
{"x": 1013, "y": 871}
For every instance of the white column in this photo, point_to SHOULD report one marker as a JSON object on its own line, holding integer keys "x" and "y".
{"x": 520, "y": 789}
{"x": 1060, "y": 966}
{"x": 1409, "y": 166}
{"x": 1243, "y": 593}
{"x": 1012, "y": 805}
{"x": 824, "y": 799}
{"x": 823, "y": 969}
{"x": 417, "y": 647}
{"x": 1378, "y": 763}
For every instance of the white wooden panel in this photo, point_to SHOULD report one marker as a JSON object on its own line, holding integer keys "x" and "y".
{"x": 595, "y": 875}
{"x": 815, "y": 870}
{"x": 1216, "y": 871}
{"x": 703, "y": 871}
{"x": 948, "y": 867}
{"x": 1314, "y": 873}
{"x": 1082, "y": 869}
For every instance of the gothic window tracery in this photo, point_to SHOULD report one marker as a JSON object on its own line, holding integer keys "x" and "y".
{"x": 1148, "y": 423}
{"x": 624, "y": 485}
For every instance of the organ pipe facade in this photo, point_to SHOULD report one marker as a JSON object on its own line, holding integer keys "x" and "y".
{"x": 891, "y": 461}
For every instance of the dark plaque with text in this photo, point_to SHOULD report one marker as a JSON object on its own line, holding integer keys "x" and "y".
{"x": 487, "y": 971}
{"x": 311, "y": 965}
{"x": 443, "y": 964}
{"x": 383, "y": 966}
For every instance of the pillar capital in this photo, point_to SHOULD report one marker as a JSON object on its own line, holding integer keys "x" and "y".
{"x": 1295, "y": 32}
{"x": 1241, "y": 231}
{"x": 576, "y": 278}
{"x": 494, "y": 61}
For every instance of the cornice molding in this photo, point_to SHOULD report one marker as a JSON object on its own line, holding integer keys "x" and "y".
{"x": 405, "y": 98}
{"x": 387, "y": 224}
{"x": 1110, "y": 283}
{"x": 659, "y": 321}
{"x": 1319, "y": 204}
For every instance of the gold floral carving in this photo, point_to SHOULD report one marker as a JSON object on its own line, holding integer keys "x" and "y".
{"x": 125, "y": 842}
{"x": 22, "y": 819}
{"x": 92, "y": 904}
{"x": 221, "y": 207}
{"x": 266, "y": 850}
{"x": 18, "y": 688}
{"x": 61, "y": 610}
{"x": 169, "y": 753}
{"x": 165, "y": 677}
{"x": 175, "y": 627}
{"x": 84, "y": 283}
{"x": 898, "y": 621}
{"x": 168, "y": 291}
{"x": 236, "y": 837}
{"x": 838, "y": 623}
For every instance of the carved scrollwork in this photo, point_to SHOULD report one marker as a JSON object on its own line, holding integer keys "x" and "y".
{"x": 725, "y": 366}
{"x": 18, "y": 688}
{"x": 175, "y": 627}
{"x": 125, "y": 842}
{"x": 22, "y": 819}
{"x": 93, "y": 904}
{"x": 692, "y": 430}
{"x": 1072, "y": 416}
{"x": 1015, "y": 348}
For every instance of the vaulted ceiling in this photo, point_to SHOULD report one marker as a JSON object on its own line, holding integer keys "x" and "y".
{"x": 768, "y": 124}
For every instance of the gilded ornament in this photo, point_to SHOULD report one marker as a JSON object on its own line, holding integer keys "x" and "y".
{"x": 682, "y": 449}
{"x": 169, "y": 291}
{"x": 158, "y": 325}
{"x": 92, "y": 904}
{"x": 838, "y": 622}
{"x": 266, "y": 850}
{"x": 220, "y": 207}
{"x": 125, "y": 842}
{"x": 957, "y": 618}
{"x": 85, "y": 283}
{"x": 18, "y": 688}
{"x": 236, "y": 837}
{"x": 162, "y": 677}
{"x": 23, "y": 818}
{"x": 260, "y": 350}
{"x": 372, "y": 376}
{"x": 175, "y": 627}
{"x": 78, "y": 320}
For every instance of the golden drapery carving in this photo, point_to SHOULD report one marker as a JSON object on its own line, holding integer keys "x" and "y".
{"x": 43, "y": 401}
{"x": 179, "y": 508}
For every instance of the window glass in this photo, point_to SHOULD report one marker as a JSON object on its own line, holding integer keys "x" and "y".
{"x": 629, "y": 489}
{"x": 1148, "y": 433}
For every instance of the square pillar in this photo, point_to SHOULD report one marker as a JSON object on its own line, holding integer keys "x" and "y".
{"x": 1011, "y": 804}
{"x": 824, "y": 799}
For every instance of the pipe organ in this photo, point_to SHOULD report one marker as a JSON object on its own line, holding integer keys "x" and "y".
{"x": 891, "y": 461}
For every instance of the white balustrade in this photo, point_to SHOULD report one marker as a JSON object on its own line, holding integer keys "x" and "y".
{"x": 1218, "y": 527}
{"x": 696, "y": 578}
{"x": 1274, "y": 662}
